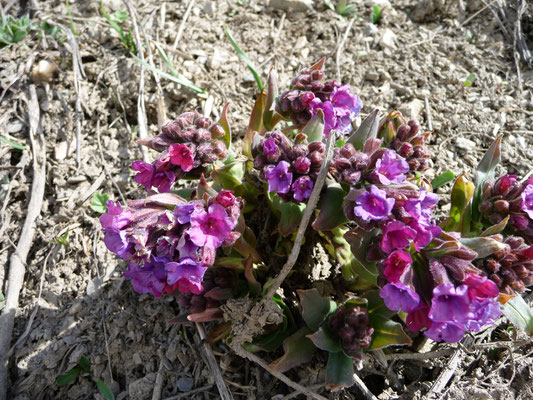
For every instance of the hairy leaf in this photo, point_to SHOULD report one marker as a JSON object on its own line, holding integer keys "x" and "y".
{"x": 272, "y": 93}
{"x": 368, "y": 129}
{"x": 314, "y": 129}
{"x": 495, "y": 229}
{"x": 387, "y": 332}
{"x": 104, "y": 390}
{"x": 484, "y": 246}
{"x": 315, "y": 308}
{"x": 462, "y": 193}
{"x": 68, "y": 377}
{"x": 519, "y": 314}
{"x": 98, "y": 203}
{"x": 324, "y": 339}
{"x": 331, "y": 212}
{"x": 298, "y": 350}
{"x": 339, "y": 371}
{"x": 225, "y": 125}
{"x": 255, "y": 125}
{"x": 442, "y": 179}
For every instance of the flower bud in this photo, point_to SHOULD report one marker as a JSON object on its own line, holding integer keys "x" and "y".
{"x": 302, "y": 165}
{"x": 216, "y": 131}
{"x": 501, "y": 206}
{"x": 202, "y": 135}
{"x": 202, "y": 122}
{"x": 300, "y": 150}
{"x": 403, "y": 132}
{"x": 172, "y": 129}
{"x": 316, "y": 158}
{"x": 413, "y": 124}
{"x": 342, "y": 163}
{"x": 348, "y": 150}
{"x": 518, "y": 222}
{"x": 406, "y": 150}
{"x": 317, "y": 75}
{"x": 317, "y": 146}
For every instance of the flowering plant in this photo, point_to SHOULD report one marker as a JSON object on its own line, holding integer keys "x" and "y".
{"x": 373, "y": 204}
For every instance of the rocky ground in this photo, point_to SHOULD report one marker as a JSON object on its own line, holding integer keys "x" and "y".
{"x": 417, "y": 59}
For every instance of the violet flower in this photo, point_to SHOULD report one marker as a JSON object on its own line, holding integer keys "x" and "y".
{"x": 115, "y": 217}
{"x": 270, "y": 148}
{"x": 397, "y": 296}
{"x": 451, "y": 304}
{"x": 182, "y": 156}
{"x": 373, "y": 205}
{"x": 396, "y": 235}
{"x": 395, "y": 265}
{"x": 183, "y": 212}
{"x": 418, "y": 319}
{"x": 391, "y": 168}
{"x": 279, "y": 178}
{"x": 151, "y": 278}
{"x": 210, "y": 228}
{"x": 145, "y": 175}
{"x": 187, "y": 274}
{"x": 445, "y": 331}
{"x": 302, "y": 188}
{"x": 421, "y": 208}
{"x": 527, "y": 201}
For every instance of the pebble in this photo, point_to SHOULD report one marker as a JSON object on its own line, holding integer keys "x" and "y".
{"x": 413, "y": 109}
{"x": 388, "y": 40}
{"x": 185, "y": 383}
{"x": 14, "y": 127}
{"x": 464, "y": 144}
{"x": 291, "y": 5}
{"x": 370, "y": 29}
{"x": 371, "y": 76}
{"x": 75, "y": 308}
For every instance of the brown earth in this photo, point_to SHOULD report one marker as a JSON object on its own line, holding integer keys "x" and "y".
{"x": 85, "y": 307}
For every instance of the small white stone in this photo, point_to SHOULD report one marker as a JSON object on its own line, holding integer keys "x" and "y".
{"x": 388, "y": 40}
{"x": 464, "y": 144}
{"x": 292, "y": 5}
{"x": 370, "y": 29}
{"x": 413, "y": 109}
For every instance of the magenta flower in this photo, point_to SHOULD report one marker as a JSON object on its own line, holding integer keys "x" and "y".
{"x": 182, "y": 156}
{"x": 115, "y": 217}
{"x": 424, "y": 234}
{"x": 145, "y": 175}
{"x": 418, "y": 318}
{"x": 504, "y": 183}
{"x": 186, "y": 247}
{"x": 330, "y": 120}
{"x": 527, "y": 200}
{"x": 397, "y": 296}
{"x": 183, "y": 212}
{"x": 373, "y": 205}
{"x": 395, "y": 265}
{"x": 451, "y": 304}
{"x": 151, "y": 278}
{"x": 302, "y": 165}
{"x": 391, "y": 168}
{"x": 396, "y": 235}
{"x": 210, "y": 228}
{"x": 481, "y": 288}
{"x": 302, "y": 188}
{"x": 445, "y": 331}
{"x": 279, "y": 178}
{"x": 163, "y": 180}
{"x": 225, "y": 198}
{"x": 187, "y": 274}
{"x": 270, "y": 148}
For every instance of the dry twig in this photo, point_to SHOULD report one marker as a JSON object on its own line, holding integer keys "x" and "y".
{"x": 213, "y": 366}
{"x": 310, "y": 208}
{"x": 362, "y": 387}
{"x": 182, "y": 26}
{"x": 341, "y": 45}
{"x": 17, "y": 266}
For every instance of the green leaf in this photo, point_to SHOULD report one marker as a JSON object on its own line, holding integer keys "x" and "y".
{"x": 98, "y": 203}
{"x": 104, "y": 390}
{"x": 70, "y": 376}
{"x": 331, "y": 212}
{"x": 442, "y": 179}
{"x": 519, "y": 314}
{"x": 298, "y": 350}
{"x": 339, "y": 371}
{"x": 359, "y": 241}
{"x": 243, "y": 57}
{"x": 367, "y": 129}
{"x": 272, "y": 94}
{"x": 229, "y": 262}
{"x": 484, "y": 246}
{"x": 325, "y": 340}
{"x": 495, "y": 229}
{"x": 386, "y": 332}
{"x": 120, "y": 16}
{"x": 462, "y": 193}
{"x": 225, "y": 125}
{"x": 314, "y": 129}
{"x": 85, "y": 364}
{"x": 376, "y": 14}
{"x": 255, "y": 124}
{"x": 290, "y": 213}
{"x": 469, "y": 80}
{"x": 2, "y": 301}
{"x": 12, "y": 144}
{"x": 485, "y": 171}
{"x": 315, "y": 308}
{"x": 177, "y": 78}
{"x": 229, "y": 176}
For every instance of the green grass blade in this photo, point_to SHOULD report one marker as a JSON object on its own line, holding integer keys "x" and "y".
{"x": 243, "y": 57}
{"x": 180, "y": 80}
{"x": 12, "y": 144}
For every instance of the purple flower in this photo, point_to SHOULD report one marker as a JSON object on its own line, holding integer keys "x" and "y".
{"x": 391, "y": 168}
{"x": 330, "y": 121}
{"x": 302, "y": 165}
{"x": 279, "y": 178}
{"x": 270, "y": 148}
{"x": 186, "y": 247}
{"x": 302, "y": 188}
{"x": 117, "y": 242}
{"x": 115, "y": 217}
{"x": 527, "y": 200}
{"x": 396, "y": 235}
{"x": 421, "y": 208}
{"x": 183, "y": 212}
{"x": 395, "y": 264}
{"x": 163, "y": 180}
{"x": 145, "y": 174}
{"x": 187, "y": 274}
{"x": 347, "y": 107}
{"x": 424, "y": 234}
{"x": 181, "y": 155}
{"x": 210, "y": 228}
{"x": 451, "y": 304}
{"x": 445, "y": 331}
{"x": 373, "y": 205}
{"x": 148, "y": 279}
{"x": 397, "y": 296}
{"x": 485, "y": 312}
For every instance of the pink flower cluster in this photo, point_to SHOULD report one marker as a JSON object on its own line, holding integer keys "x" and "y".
{"x": 169, "y": 241}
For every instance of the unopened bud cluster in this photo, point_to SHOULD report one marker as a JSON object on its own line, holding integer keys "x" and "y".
{"x": 189, "y": 144}
{"x": 351, "y": 325}
{"x": 289, "y": 169}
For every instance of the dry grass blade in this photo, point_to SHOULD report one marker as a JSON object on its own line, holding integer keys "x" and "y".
{"x": 17, "y": 266}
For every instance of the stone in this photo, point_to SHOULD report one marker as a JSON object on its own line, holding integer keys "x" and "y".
{"x": 370, "y": 29}
{"x": 413, "y": 109}
{"x": 292, "y": 5}
{"x": 464, "y": 144}
{"x": 388, "y": 40}
{"x": 371, "y": 76}
{"x": 142, "y": 388}
{"x": 185, "y": 383}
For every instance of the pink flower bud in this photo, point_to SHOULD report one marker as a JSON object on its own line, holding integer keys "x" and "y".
{"x": 302, "y": 165}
